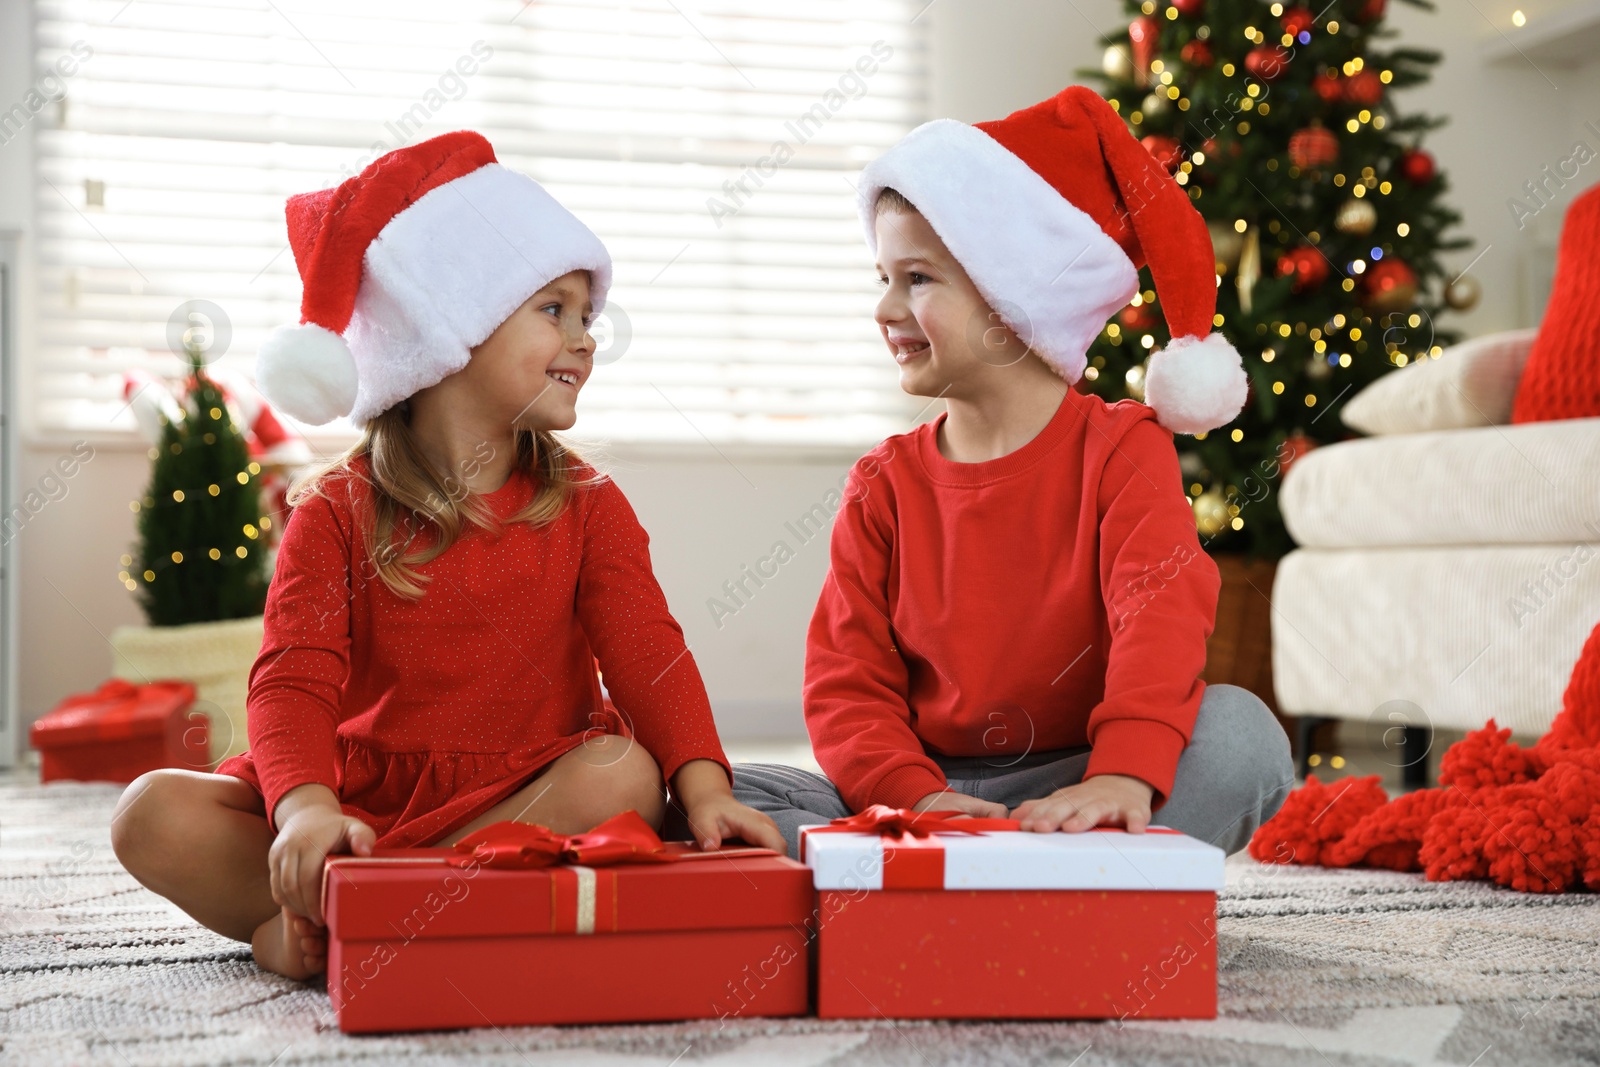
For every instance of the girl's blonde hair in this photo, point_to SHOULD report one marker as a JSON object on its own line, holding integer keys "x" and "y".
{"x": 411, "y": 497}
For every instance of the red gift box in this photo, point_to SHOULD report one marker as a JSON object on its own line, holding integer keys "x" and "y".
{"x": 487, "y": 934}
{"x": 121, "y": 730}
{"x": 929, "y": 917}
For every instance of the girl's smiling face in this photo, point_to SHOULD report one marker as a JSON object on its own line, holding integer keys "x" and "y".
{"x": 938, "y": 327}
{"x": 527, "y": 374}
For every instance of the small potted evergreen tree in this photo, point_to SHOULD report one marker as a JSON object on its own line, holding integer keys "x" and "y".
{"x": 200, "y": 567}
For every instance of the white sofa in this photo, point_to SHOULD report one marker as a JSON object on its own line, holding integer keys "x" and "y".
{"x": 1449, "y": 565}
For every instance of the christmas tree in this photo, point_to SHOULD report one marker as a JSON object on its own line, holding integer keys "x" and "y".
{"x": 200, "y": 556}
{"x": 1325, "y": 216}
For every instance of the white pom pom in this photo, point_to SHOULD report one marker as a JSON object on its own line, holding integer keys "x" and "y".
{"x": 1196, "y": 384}
{"x": 307, "y": 372}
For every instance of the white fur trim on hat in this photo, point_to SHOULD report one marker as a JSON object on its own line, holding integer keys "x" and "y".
{"x": 307, "y": 372}
{"x": 1196, "y": 384}
{"x": 445, "y": 272}
{"x": 1040, "y": 262}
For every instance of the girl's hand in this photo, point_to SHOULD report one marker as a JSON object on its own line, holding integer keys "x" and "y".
{"x": 952, "y": 801}
{"x": 1115, "y": 799}
{"x": 311, "y": 830}
{"x": 717, "y": 817}
{"x": 702, "y": 787}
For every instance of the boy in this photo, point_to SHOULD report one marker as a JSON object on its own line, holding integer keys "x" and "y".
{"x": 1015, "y": 617}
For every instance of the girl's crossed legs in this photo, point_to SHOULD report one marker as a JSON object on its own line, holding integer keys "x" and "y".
{"x": 201, "y": 840}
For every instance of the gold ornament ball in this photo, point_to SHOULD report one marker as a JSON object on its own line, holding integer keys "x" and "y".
{"x": 1135, "y": 381}
{"x": 1356, "y": 217}
{"x": 1118, "y": 63}
{"x": 1210, "y": 513}
{"x": 1156, "y": 105}
{"x": 1226, "y": 244}
{"x": 1317, "y": 369}
{"x": 1463, "y": 293}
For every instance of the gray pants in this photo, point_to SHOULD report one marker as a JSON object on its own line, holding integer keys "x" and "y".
{"x": 1231, "y": 778}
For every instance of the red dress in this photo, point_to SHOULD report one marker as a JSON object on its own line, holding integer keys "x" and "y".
{"x": 422, "y": 714}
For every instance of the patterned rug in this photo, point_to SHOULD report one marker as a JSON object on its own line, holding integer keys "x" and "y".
{"x": 1317, "y": 967}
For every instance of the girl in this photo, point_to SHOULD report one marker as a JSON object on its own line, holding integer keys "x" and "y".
{"x": 443, "y": 590}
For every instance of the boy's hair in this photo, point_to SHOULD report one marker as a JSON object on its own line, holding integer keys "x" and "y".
{"x": 892, "y": 200}
{"x": 411, "y": 496}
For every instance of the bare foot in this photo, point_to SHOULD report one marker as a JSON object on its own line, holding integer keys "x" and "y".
{"x": 291, "y": 945}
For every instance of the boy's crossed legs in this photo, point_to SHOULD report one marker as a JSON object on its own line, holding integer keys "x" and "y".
{"x": 1232, "y": 777}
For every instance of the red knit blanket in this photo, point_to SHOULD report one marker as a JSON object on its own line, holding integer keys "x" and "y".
{"x": 1527, "y": 818}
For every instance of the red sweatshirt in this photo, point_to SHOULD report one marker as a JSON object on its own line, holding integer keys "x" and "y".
{"x": 1054, "y": 597}
{"x": 494, "y": 660}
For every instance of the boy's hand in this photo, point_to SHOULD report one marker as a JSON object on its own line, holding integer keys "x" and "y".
{"x": 711, "y": 819}
{"x": 305, "y": 838}
{"x": 952, "y": 801}
{"x": 1115, "y": 799}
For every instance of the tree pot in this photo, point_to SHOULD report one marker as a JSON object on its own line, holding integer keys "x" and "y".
{"x": 1239, "y": 651}
{"x": 214, "y": 657}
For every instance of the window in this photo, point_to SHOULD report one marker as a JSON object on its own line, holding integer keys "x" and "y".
{"x": 711, "y": 144}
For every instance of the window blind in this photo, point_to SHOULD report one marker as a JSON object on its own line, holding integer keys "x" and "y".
{"x": 712, "y": 145}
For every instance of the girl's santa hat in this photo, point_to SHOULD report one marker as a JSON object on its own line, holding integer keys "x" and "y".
{"x": 1052, "y": 211}
{"x": 406, "y": 267}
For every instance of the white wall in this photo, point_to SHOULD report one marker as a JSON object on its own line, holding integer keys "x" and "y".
{"x": 1508, "y": 120}
{"x": 989, "y": 57}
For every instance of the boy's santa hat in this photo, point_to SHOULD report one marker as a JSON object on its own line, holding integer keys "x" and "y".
{"x": 406, "y": 267}
{"x": 1052, "y": 211}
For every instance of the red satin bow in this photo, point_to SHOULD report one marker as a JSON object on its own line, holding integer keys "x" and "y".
{"x": 903, "y": 822}
{"x": 911, "y": 859}
{"x": 625, "y": 838}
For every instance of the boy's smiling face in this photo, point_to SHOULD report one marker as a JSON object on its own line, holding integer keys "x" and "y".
{"x": 939, "y": 329}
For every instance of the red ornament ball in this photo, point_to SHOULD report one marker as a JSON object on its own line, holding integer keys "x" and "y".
{"x": 1168, "y": 153}
{"x": 1189, "y": 8}
{"x": 1138, "y": 319}
{"x": 1296, "y": 20}
{"x": 1328, "y": 86}
{"x": 1306, "y": 266}
{"x": 1390, "y": 285}
{"x": 1267, "y": 62}
{"x": 1364, "y": 88}
{"x": 1165, "y": 151}
{"x": 1294, "y": 446}
{"x": 1197, "y": 53}
{"x": 1371, "y": 11}
{"x": 1211, "y": 148}
{"x": 1313, "y": 147}
{"x": 1417, "y": 166}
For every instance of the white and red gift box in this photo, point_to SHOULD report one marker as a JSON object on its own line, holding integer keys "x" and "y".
{"x": 921, "y": 917}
